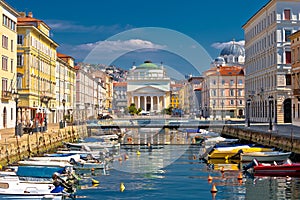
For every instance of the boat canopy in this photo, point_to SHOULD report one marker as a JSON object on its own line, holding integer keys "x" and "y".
{"x": 39, "y": 171}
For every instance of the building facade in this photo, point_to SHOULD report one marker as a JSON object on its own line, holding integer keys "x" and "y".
{"x": 65, "y": 88}
{"x": 8, "y": 63}
{"x": 120, "y": 97}
{"x": 268, "y": 60}
{"x": 36, "y": 63}
{"x": 295, "y": 47}
{"x": 148, "y": 87}
{"x": 223, "y": 92}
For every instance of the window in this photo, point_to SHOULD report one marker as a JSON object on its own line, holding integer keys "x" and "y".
{"x": 19, "y": 81}
{"x": 4, "y": 62}
{"x": 213, "y": 93}
{"x": 20, "y": 39}
{"x": 240, "y": 92}
{"x": 231, "y": 82}
{"x": 287, "y": 14}
{"x": 231, "y": 102}
{"x": 11, "y": 45}
{"x": 11, "y": 65}
{"x": 214, "y": 82}
{"x": 240, "y": 102}
{"x": 287, "y": 33}
{"x": 20, "y": 59}
{"x": 288, "y": 79}
{"x": 240, "y": 82}
{"x": 4, "y": 84}
{"x": 231, "y": 92}
{"x": 223, "y": 82}
{"x": 4, "y": 41}
{"x": 288, "y": 57}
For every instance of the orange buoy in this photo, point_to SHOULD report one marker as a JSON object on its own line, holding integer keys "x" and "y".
{"x": 92, "y": 169}
{"x": 214, "y": 189}
{"x": 126, "y": 156}
{"x": 120, "y": 159}
{"x": 209, "y": 179}
{"x": 240, "y": 176}
{"x": 129, "y": 139}
{"x": 222, "y": 169}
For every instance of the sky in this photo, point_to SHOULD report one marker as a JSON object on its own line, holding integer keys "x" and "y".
{"x": 80, "y": 26}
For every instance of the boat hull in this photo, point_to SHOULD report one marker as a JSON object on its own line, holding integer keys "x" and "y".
{"x": 265, "y": 156}
{"x": 277, "y": 170}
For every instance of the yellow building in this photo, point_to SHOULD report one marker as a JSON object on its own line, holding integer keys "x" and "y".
{"x": 36, "y": 61}
{"x": 65, "y": 87}
{"x": 8, "y": 32}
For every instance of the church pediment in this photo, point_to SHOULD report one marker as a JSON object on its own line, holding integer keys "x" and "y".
{"x": 149, "y": 89}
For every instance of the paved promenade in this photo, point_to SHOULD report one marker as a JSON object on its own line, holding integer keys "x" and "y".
{"x": 9, "y": 133}
{"x": 287, "y": 130}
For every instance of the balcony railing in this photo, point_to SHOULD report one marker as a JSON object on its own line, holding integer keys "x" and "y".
{"x": 6, "y": 95}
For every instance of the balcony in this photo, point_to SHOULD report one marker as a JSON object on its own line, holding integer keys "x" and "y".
{"x": 6, "y": 95}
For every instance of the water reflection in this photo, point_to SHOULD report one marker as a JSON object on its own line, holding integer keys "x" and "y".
{"x": 272, "y": 188}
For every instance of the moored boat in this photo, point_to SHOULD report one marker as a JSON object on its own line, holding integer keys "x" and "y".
{"x": 287, "y": 168}
{"x": 268, "y": 156}
{"x": 232, "y": 151}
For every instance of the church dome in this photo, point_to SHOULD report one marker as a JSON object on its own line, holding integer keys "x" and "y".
{"x": 234, "y": 50}
{"x": 148, "y": 65}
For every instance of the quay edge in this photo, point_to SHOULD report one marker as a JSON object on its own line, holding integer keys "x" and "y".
{"x": 272, "y": 139}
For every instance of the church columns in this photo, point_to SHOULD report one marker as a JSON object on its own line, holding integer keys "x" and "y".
{"x": 139, "y": 102}
{"x": 151, "y": 108}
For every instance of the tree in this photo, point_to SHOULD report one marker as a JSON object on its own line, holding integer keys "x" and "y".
{"x": 132, "y": 109}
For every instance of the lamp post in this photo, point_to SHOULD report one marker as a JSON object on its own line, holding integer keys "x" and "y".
{"x": 270, "y": 112}
{"x": 45, "y": 100}
{"x": 16, "y": 98}
{"x": 214, "y": 110}
{"x": 64, "y": 105}
{"x": 222, "y": 104}
{"x": 248, "y": 112}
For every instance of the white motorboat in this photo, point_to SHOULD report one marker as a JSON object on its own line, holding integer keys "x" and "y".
{"x": 268, "y": 156}
{"x": 12, "y": 188}
{"x": 92, "y": 146}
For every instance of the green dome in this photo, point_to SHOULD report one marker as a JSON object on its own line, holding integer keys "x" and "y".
{"x": 148, "y": 65}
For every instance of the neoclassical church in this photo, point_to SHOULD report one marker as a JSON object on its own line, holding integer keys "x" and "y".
{"x": 148, "y": 87}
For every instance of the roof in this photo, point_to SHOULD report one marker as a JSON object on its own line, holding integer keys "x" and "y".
{"x": 25, "y": 21}
{"x": 119, "y": 84}
{"x": 233, "y": 49}
{"x": 148, "y": 65}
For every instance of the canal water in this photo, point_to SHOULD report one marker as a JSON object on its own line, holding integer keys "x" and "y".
{"x": 175, "y": 172}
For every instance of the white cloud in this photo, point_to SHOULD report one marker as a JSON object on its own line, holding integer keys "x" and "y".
{"x": 108, "y": 49}
{"x": 126, "y": 45}
{"x": 69, "y": 26}
{"x": 222, "y": 45}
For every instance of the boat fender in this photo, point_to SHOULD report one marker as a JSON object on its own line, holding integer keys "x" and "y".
{"x": 57, "y": 189}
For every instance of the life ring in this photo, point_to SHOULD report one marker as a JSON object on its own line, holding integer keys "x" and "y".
{"x": 129, "y": 139}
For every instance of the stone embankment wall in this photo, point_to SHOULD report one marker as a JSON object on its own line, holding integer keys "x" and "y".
{"x": 14, "y": 149}
{"x": 271, "y": 139}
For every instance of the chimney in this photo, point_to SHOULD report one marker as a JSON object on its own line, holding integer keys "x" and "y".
{"x": 22, "y": 14}
{"x": 29, "y": 14}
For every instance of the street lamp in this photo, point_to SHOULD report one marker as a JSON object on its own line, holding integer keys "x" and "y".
{"x": 214, "y": 110}
{"x": 222, "y": 104}
{"x": 248, "y": 112}
{"x": 45, "y": 100}
{"x": 271, "y": 99}
{"x": 64, "y": 105}
{"x": 16, "y": 98}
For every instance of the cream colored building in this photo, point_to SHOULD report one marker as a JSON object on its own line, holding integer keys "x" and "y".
{"x": 268, "y": 60}
{"x": 65, "y": 87}
{"x": 295, "y": 46}
{"x": 8, "y": 63}
{"x": 223, "y": 92}
{"x": 148, "y": 87}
